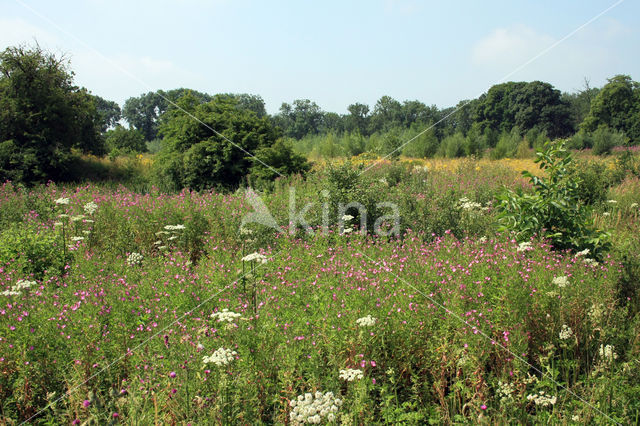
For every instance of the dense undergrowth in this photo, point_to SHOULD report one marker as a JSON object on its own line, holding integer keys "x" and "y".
{"x": 114, "y": 303}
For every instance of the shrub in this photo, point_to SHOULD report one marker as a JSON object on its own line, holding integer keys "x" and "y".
{"x": 125, "y": 140}
{"x": 593, "y": 181}
{"x": 554, "y": 210}
{"x": 605, "y": 139}
{"x": 453, "y": 145}
{"x": 277, "y": 160}
{"x": 507, "y": 144}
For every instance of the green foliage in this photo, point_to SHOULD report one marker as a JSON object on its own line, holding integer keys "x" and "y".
{"x": 507, "y": 145}
{"x": 125, "y": 140}
{"x": 346, "y": 184}
{"x": 274, "y": 161}
{"x": 453, "y": 146}
{"x": 31, "y": 250}
{"x": 581, "y": 140}
{"x": 617, "y": 106}
{"x": 605, "y": 139}
{"x": 197, "y": 157}
{"x": 593, "y": 180}
{"x": 42, "y": 116}
{"x": 554, "y": 209}
{"x": 524, "y": 105}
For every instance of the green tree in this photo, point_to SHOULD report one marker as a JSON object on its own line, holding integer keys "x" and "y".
{"x": 216, "y": 153}
{"x": 144, "y": 112}
{"x": 302, "y": 118}
{"x": 387, "y": 113}
{"x": 617, "y": 106}
{"x": 358, "y": 118}
{"x": 42, "y": 116}
{"x": 580, "y": 103}
{"x": 109, "y": 112}
{"x": 526, "y": 105}
{"x": 125, "y": 140}
{"x": 282, "y": 161}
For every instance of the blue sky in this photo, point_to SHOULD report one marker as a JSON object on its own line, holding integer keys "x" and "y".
{"x": 332, "y": 52}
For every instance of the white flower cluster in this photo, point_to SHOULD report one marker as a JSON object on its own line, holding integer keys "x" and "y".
{"x": 350, "y": 374}
{"x": 524, "y": 246}
{"x": 612, "y": 202}
{"x": 595, "y": 312}
{"x": 561, "y": 281}
{"x": 174, "y": 227}
{"x": 220, "y": 357}
{"x": 590, "y": 262}
{"x": 608, "y": 352}
{"x": 541, "y": 399}
{"x": 466, "y": 204}
{"x": 566, "y": 333}
{"x": 90, "y": 208}
{"x": 62, "y": 201}
{"x": 225, "y": 315}
{"x": 347, "y": 218}
{"x": 77, "y": 218}
{"x": 633, "y": 205}
{"x": 17, "y": 289}
{"x": 134, "y": 259}
{"x": 505, "y": 390}
{"x": 259, "y": 258}
{"x": 367, "y": 321}
{"x": 309, "y": 408}
{"x": 423, "y": 169}
{"x": 582, "y": 253}
{"x": 245, "y": 231}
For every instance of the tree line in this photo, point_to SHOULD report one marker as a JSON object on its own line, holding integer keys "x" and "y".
{"x": 46, "y": 122}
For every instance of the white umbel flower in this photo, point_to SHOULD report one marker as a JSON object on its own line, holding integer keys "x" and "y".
{"x": 561, "y": 281}
{"x": 541, "y": 399}
{"x": 608, "y": 352}
{"x": 351, "y": 374}
{"x": 367, "y": 321}
{"x": 524, "y": 246}
{"x": 313, "y": 408}
{"x": 221, "y": 357}
{"x": 259, "y": 258}
{"x": 566, "y": 333}
{"x": 134, "y": 259}
{"x": 90, "y": 208}
{"x": 225, "y": 315}
{"x": 62, "y": 201}
{"x": 174, "y": 227}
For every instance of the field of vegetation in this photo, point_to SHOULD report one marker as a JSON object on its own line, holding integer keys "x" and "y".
{"x": 143, "y": 307}
{"x": 409, "y": 264}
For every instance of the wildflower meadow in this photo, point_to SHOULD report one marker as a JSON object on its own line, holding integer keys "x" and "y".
{"x": 136, "y": 306}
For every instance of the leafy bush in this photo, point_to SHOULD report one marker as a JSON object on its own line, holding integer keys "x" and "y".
{"x": 605, "y": 139}
{"x": 453, "y": 145}
{"x": 277, "y": 160}
{"x": 593, "y": 181}
{"x": 125, "y": 140}
{"x": 581, "y": 140}
{"x": 507, "y": 144}
{"x": 346, "y": 184}
{"x": 554, "y": 210}
{"x": 196, "y": 153}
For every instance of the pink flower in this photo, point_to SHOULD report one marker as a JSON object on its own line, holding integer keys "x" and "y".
{"x": 484, "y": 407}
{"x": 172, "y": 374}
{"x": 86, "y": 403}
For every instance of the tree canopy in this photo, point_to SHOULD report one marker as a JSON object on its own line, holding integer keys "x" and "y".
{"x": 617, "y": 106}
{"x": 42, "y": 116}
